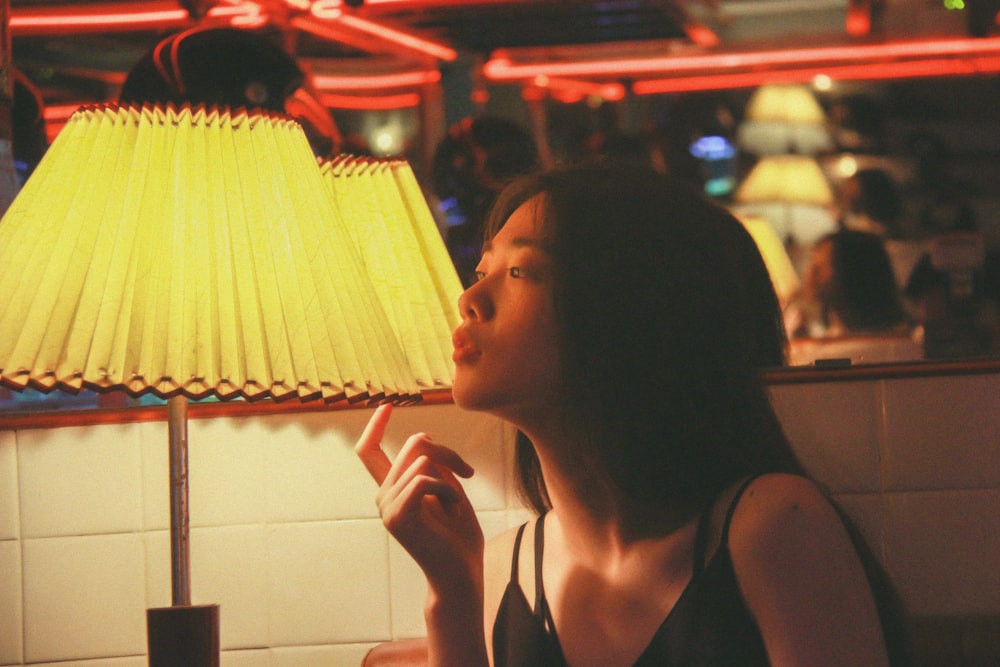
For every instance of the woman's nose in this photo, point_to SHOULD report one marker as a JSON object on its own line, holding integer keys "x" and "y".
{"x": 475, "y": 302}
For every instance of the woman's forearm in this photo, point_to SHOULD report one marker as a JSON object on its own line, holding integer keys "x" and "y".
{"x": 454, "y": 617}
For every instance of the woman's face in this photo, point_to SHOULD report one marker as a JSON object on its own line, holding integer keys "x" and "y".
{"x": 506, "y": 349}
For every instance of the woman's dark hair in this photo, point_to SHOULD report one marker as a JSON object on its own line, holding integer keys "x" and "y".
{"x": 878, "y": 196}
{"x": 667, "y": 315}
{"x": 862, "y": 290}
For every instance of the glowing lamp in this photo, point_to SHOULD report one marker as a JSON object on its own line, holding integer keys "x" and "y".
{"x": 198, "y": 252}
{"x": 792, "y": 193}
{"x": 784, "y": 118}
{"x": 779, "y": 265}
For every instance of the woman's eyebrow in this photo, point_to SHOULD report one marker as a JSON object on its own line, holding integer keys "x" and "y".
{"x": 518, "y": 242}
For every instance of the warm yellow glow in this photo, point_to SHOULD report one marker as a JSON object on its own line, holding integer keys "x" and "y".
{"x": 786, "y": 178}
{"x": 790, "y": 103}
{"x": 784, "y": 118}
{"x": 192, "y": 252}
{"x": 416, "y": 283}
{"x": 779, "y": 265}
{"x": 790, "y": 192}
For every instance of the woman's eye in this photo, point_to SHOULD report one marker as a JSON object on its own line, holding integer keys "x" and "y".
{"x": 516, "y": 272}
{"x": 477, "y": 276}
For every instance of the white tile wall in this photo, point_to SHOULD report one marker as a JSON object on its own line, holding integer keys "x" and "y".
{"x": 10, "y": 524}
{"x": 328, "y": 583}
{"x": 80, "y": 481}
{"x": 836, "y": 430}
{"x": 943, "y": 548}
{"x": 945, "y": 433}
{"x": 84, "y": 597}
{"x": 287, "y": 541}
{"x": 11, "y": 619}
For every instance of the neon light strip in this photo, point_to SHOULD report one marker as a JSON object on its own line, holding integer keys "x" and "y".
{"x": 870, "y": 71}
{"x": 333, "y": 5}
{"x": 503, "y": 69}
{"x": 124, "y": 16}
{"x": 609, "y": 91}
{"x": 399, "y": 37}
{"x": 358, "y": 33}
{"x": 67, "y": 19}
{"x": 377, "y": 81}
{"x": 369, "y": 103}
{"x": 59, "y": 112}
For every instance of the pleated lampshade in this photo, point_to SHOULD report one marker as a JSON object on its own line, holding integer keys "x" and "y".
{"x": 415, "y": 281}
{"x": 784, "y": 118}
{"x": 193, "y": 252}
{"x": 790, "y": 192}
{"x": 197, "y": 251}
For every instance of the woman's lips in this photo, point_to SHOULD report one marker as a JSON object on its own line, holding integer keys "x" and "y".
{"x": 465, "y": 351}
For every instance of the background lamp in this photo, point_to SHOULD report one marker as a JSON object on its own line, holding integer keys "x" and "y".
{"x": 792, "y": 193}
{"x": 779, "y": 265}
{"x": 198, "y": 252}
{"x": 784, "y": 118}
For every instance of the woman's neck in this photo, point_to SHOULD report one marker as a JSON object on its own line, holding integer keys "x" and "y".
{"x": 596, "y": 517}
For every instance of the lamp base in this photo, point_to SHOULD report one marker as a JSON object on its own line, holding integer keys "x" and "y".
{"x": 183, "y": 636}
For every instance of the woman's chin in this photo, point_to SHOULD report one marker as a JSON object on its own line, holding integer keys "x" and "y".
{"x": 463, "y": 398}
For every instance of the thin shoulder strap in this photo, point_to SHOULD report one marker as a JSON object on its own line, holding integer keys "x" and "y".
{"x": 701, "y": 541}
{"x": 732, "y": 506}
{"x": 704, "y": 521}
{"x": 517, "y": 552}
{"x": 539, "y": 548}
{"x": 542, "y": 609}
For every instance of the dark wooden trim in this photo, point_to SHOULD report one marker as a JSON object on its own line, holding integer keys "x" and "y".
{"x": 779, "y": 376}
{"x": 89, "y": 417}
{"x": 893, "y": 371}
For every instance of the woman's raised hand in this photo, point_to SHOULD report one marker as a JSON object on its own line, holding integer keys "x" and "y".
{"x": 422, "y": 503}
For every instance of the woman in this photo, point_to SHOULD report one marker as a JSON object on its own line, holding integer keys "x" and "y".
{"x": 619, "y": 321}
{"x": 859, "y": 308}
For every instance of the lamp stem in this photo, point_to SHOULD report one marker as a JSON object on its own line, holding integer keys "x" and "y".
{"x": 180, "y": 553}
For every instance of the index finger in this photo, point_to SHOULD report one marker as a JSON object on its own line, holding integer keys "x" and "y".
{"x": 369, "y": 447}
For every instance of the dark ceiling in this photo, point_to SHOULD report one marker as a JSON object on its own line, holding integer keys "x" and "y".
{"x": 88, "y": 65}
{"x": 489, "y": 26}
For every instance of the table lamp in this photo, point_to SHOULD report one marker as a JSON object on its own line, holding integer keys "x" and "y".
{"x": 792, "y": 193}
{"x": 784, "y": 118}
{"x": 198, "y": 252}
{"x": 772, "y": 250}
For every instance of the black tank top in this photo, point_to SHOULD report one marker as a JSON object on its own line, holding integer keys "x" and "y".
{"x": 708, "y": 626}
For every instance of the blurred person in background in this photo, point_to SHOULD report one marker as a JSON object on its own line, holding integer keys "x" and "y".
{"x": 232, "y": 68}
{"x": 853, "y": 308}
{"x": 472, "y": 164}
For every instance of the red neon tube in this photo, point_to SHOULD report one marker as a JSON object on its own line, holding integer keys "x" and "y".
{"x": 375, "y": 81}
{"x": 866, "y": 71}
{"x": 503, "y": 69}
{"x": 369, "y": 103}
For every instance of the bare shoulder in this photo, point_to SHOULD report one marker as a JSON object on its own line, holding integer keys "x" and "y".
{"x": 782, "y": 521}
{"x": 777, "y": 503}
{"x": 801, "y": 576}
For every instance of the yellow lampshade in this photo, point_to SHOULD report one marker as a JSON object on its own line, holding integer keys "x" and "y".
{"x": 779, "y": 265}
{"x": 199, "y": 252}
{"x": 194, "y": 252}
{"x": 786, "y": 178}
{"x": 789, "y": 103}
{"x": 784, "y": 118}
{"x": 790, "y": 192}
{"x": 415, "y": 281}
